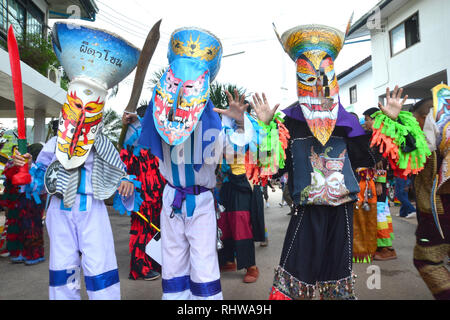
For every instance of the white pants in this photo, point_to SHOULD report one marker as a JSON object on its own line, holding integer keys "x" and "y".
{"x": 190, "y": 266}
{"x": 87, "y": 232}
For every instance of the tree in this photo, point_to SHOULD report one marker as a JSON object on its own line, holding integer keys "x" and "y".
{"x": 157, "y": 75}
{"x": 112, "y": 125}
{"x": 218, "y": 96}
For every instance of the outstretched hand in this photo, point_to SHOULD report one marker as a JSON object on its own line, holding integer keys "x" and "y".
{"x": 394, "y": 104}
{"x": 237, "y": 107}
{"x": 262, "y": 108}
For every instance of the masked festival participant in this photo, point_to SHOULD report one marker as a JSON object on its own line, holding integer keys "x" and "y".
{"x": 30, "y": 227}
{"x": 325, "y": 143}
{"x": 9, "y": 200}
{"x": 432, "y": 188}
{"x": 184, "y": 130}
{"x": 384, "y": 228}
{"x": 143, "y": 164}
{"x": 80, "y": 168}
{"x": 242, "y": 222}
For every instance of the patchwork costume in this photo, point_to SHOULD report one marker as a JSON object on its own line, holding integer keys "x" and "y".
{"x": 144, "y": 165}
{"x": 432, "y": 188}
{"x": 187, "y": 136}
{"x": 24, "y": 231}
{"x": 10, "y": 201}
{"x": 326, "y": 143}
{"x": 80, "y": 168}
{"x": 372, "y": 221}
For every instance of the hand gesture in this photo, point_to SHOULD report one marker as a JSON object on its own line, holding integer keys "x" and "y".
{"x": 126, "y": 189}
{"x": 237, "y": 107}
{"x": 262, "y": 108}
{"x": 21, "y": 160}
{"x": 394, "y": 103}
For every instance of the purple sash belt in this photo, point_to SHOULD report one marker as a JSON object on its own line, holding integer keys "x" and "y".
{"x": 180, "y": 196}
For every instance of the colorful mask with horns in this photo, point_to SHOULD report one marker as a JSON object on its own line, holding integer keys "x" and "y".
{"x": 314, "y": 48}
{"x": 182, "y": 93}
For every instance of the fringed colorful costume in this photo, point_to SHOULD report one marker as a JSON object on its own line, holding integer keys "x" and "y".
{"x": 30, "y": 222}
{"x": 32, "y": 229}
{"x": 25, "y": 237}
{"x": 10, "y": 201}
{"x": 142, "y": 164}
{"x": 372, "y": 215}
{"x": 385, "y": 229}
{"x": 325, "y": 144}
{"x": 365, "y": 218}
{"x": 432, "y": 188}
{"x": 402, "y": 142}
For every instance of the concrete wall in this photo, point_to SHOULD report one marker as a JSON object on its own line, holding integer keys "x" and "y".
{"x": 431, "y": 55}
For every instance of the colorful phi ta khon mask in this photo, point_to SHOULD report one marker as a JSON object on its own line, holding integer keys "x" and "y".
{"x": 95, "y": 61}
{"x": 314, "y": 48}
{"x": 80, "y": 121}
{"x": 182, "y": 93}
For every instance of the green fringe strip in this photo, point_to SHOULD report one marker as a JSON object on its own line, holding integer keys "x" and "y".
{"x": 398, "y": 133}
{"x": 271, "y": 144}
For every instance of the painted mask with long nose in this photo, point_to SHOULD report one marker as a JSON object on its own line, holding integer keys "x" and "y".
{"x": 181, "y": 95}
{"x": 314, "y": 49}
{"x": 95, "y": 61}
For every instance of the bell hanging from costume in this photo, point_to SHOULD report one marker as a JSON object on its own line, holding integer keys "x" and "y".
{"x": 95, "y": 61}
{"x": 181, "y": 95}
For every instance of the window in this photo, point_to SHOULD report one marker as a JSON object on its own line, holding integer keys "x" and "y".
{"x": 23, "y": 15}
{"x": 405, "y": 35}
{"x": 16, "y": 17}
{"x": 353, "y": 95}
{"x": 3, "y": 14}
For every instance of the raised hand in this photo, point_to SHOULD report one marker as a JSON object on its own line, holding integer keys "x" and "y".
{"x": 237, "y": 107}
{"x": 262, "y": 108}
{"x": 394, "y": 104}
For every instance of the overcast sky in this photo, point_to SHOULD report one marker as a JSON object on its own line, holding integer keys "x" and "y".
{"x": 242, "y": 25}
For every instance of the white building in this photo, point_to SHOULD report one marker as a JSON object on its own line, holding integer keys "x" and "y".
{"x": 410, "y": 48}
{"x": 356, "y": 87}
{"x": 42, "y": 97}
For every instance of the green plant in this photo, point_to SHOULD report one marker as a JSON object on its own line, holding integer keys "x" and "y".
{"x": 7, "y": 148}
{"x": 37, "y": 52}
{"x": 218, "y": 96}
{"x": 112, "y": 125}
{"x": 156, "y": 76}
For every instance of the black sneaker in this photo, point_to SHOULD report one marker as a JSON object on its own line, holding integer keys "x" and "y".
{"x": 151, "y": 275}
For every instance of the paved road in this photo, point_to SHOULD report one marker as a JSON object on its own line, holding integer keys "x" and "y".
{"x": 399, "y": 278}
